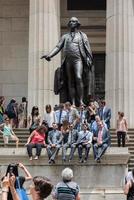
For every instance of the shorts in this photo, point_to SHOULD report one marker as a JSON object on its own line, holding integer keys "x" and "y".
{"x": 7, "y": 138}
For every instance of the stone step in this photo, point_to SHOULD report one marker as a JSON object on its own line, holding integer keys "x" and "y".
{"x": 131, "y": 161}
{"x": 113, "y": 129}
{"x": 131, "y": 148}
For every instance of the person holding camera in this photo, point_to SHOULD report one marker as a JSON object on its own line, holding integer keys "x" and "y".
{"x": 12, "y": 170}
{"x": 41, "y": 187}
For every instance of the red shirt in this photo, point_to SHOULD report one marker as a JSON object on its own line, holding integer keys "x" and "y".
{"x": 38, "y": 138}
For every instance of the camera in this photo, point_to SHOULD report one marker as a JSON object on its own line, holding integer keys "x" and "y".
{"x": 12, "y": 169}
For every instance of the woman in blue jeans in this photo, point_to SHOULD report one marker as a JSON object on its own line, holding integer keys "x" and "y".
{"x": 36, "y": 140}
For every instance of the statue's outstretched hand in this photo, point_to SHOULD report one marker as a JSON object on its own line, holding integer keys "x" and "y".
{"x": 46, "y": 57}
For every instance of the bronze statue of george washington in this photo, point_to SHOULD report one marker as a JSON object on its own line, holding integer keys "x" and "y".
{"x": 76, "y": 74}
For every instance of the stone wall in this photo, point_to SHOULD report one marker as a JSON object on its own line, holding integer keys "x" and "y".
{"x": 14, "y": 30}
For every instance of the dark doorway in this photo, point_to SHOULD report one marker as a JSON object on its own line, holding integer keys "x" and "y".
{"x": 99, "y": 63}
{"x": 86, "y": 4}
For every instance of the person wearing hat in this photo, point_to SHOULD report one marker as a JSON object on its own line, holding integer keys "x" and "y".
{"x": 77, "y": 71}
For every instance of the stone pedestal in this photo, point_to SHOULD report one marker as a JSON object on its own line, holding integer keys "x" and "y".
{"x": 120, "y": 58}
{"x": 97, "y": 181}
{"x": 44, "y": 33}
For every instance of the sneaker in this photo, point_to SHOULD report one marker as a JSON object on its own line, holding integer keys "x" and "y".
{"x": 53, "y": 161}
{"x": 31, "y": 158}
{"x": 36, "y": 158}
{"x": 98, "y": 160}
{"x": 85, "y": 160}
{"x": 81, "y": 160}
{"x": 49, "y": 161}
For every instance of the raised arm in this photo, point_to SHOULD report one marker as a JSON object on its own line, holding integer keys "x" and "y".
{"x": 12, "y": 188}
{"x": 28, "y": 175}
{"x": 5, "y": 188}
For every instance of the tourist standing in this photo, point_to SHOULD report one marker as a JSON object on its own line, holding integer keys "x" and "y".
{"x": 11, "y": 112}
{"x": 22, "y": 113}
{"x": 105, "y": 113}
{"x": 49, "y": 117}
{"x": 66, "y": 189}
{"x": 40, "y": 188}
{"x": 121, "y": 129}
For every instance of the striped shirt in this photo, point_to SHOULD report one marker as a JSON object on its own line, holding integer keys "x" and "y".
{"x": 66, "y": 191}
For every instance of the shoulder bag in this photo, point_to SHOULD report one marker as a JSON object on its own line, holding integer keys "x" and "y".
{"x": 21, "y": 191}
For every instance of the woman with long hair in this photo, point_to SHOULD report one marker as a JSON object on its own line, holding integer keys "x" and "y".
{"x": 12, "y": 169}
{"x": 34, "y": 116}
{"x": 121, "y": 129}
{"x": 8, "y": 133}
{"x": 40, "y": 189}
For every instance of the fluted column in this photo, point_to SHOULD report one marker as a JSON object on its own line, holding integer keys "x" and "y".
{"x": 120, "y": 58}
{"x": 44, "y": 33}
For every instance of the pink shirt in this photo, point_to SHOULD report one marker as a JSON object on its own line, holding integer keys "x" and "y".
{"x": 121, "y": 125}
{"x": 38, "y": 138}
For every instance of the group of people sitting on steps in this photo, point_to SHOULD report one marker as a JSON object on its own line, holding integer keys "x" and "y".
{"x": 69, "y": 127}
{"x": 69, "y": 137}
{"x": 66, "y": 127}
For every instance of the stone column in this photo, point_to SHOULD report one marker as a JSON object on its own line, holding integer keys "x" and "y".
{"x": 44, "y": 33}
{"x": 120, "y": 58}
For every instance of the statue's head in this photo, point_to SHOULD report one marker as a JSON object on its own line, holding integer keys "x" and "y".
{"x": 74, "y": 23}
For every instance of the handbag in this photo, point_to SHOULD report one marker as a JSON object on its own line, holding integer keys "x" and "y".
{"x": 127, "y": 138}
{"x": 21, "y": 191}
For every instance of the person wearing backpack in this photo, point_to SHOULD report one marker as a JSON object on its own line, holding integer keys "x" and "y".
{"x": 11, "y": 111}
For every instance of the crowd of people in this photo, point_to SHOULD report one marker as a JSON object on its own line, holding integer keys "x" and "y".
{"x": 16, "y": 112}
{"x": 63, "y": 127}
{"x": 41, "y": 187}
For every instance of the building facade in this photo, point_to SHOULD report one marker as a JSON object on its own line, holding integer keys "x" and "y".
{"x": 31, "y": 28}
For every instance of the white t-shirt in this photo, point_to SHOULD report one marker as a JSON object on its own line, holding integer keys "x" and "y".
{"x": 49, "y": 118}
